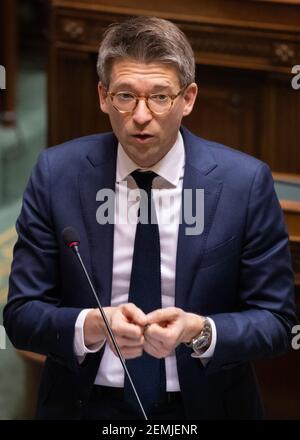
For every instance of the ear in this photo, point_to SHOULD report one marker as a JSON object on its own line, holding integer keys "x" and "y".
{"x": 102, "y": 97}
{"x": 189, "y": 96}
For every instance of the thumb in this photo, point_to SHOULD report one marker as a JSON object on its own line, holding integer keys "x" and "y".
{"x": 135, "y": 315}
{"x": 162, "y": 315}
{"x": 156, "y": 316}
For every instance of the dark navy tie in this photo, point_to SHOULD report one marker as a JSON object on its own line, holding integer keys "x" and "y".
{"x": 147, "y": 372}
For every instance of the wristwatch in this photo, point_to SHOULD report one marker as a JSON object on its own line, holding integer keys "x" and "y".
{"x": 201, "y": 342}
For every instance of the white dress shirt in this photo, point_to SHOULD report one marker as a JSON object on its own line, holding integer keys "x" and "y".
{"x": 167, "y": 189}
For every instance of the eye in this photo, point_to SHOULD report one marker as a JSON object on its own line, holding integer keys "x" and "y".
{"x": 159, "y": 98}
{"x": 125, "y": 96}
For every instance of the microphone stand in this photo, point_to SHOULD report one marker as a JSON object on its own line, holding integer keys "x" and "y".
{"x": 74, "y": 247}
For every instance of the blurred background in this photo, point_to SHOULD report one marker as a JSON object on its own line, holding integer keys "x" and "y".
{"x": 245, "y": 52}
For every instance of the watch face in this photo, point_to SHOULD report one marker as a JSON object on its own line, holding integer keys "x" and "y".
{"x": 201, "y": 342}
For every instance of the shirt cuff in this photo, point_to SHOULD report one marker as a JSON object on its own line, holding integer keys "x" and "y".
{"x": 80, "y": 348}
{"x": 208, "y": 354}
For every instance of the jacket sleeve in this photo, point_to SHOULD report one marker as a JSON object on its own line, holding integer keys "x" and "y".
{"x": 34, "y": 318}
{"x": 262, "y": 326}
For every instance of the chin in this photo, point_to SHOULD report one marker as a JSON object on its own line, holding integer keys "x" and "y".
{"x": 142, "y": 162}
{"x": 143, "y": 156}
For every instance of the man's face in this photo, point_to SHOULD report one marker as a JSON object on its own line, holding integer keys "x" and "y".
{"x": 146, "y": 137}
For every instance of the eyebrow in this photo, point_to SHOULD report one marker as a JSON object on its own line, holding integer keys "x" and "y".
{"x": 129, "y": 86}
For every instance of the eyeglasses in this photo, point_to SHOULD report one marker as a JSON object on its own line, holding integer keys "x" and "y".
{"x": 157, "y": 103}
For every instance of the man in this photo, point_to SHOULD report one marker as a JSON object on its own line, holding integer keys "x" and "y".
{"x": 190, "y": 308}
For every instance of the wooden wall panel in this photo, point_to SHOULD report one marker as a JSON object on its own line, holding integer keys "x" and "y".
{"x": 229, "y": 98}
{"x": 76, "y": 94}
{"x": 244, "y": 57}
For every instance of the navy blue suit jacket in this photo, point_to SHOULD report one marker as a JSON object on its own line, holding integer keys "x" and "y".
{"x": 238, "y": 272}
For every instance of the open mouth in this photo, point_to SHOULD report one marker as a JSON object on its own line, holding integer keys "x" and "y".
{"x": 142, "y": 137}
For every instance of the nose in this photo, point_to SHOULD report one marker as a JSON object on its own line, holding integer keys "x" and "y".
{"x": 142, "y": 114}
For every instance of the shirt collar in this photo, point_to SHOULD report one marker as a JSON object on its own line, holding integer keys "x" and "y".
{"x": 170, "y": 167}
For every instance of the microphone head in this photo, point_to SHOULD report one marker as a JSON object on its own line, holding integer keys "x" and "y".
{"x": 70, "y": 237}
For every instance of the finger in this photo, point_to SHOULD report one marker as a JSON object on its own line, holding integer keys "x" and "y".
{"x": 162, "y": 315}
{"x": 122, "y": 327}
{"x": 132, "y": 353}
{"x": 157, "y": 333}
{"x": 153, "y": 351}
{"x": 128, "y": 331}
{"x": 156, "y": 345}
{"x": 168, "y": 337}
{"x": 134, "y": 314}
{"x": 131, "y": 342}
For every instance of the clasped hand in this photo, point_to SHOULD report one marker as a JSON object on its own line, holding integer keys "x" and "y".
{"x": 157, "y": 333}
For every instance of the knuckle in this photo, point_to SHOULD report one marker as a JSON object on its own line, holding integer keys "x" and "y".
{"x": 136, "y": 330}
{"x": 115, "y": 328}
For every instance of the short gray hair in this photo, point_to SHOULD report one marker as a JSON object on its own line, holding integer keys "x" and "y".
{"x": 146, "y": 40}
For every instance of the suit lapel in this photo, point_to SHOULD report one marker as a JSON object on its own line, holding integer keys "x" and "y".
{"x": 98, "y": 173}
{"x": 190, "y": 248}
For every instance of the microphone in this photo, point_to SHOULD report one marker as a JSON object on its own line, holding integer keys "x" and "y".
{"x": 71, "y": 239}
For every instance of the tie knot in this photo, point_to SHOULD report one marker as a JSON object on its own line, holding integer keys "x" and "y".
{"x": 144, "y": 179}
